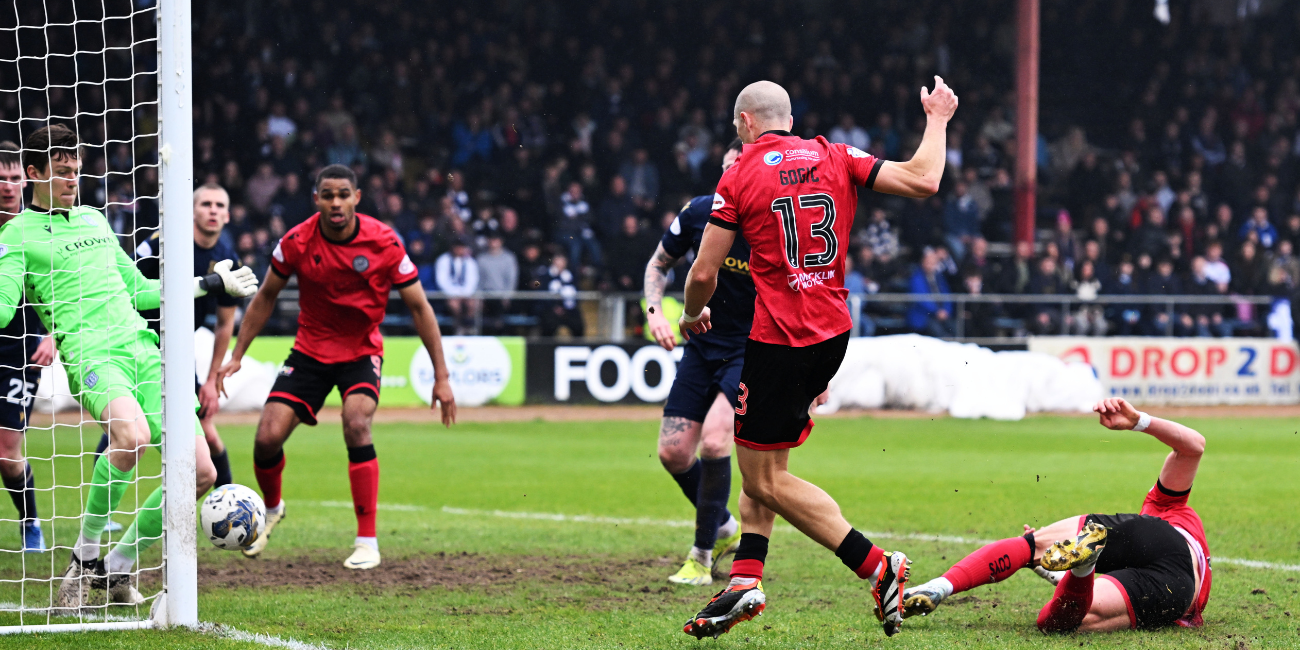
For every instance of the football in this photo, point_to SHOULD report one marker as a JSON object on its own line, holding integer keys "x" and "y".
{"x": 232, "y": 517}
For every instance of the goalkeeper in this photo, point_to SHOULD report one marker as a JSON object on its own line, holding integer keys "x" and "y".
{"x": 87, "y": 291}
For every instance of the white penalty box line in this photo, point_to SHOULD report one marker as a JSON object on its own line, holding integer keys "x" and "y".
{"x": 683, "y": 523}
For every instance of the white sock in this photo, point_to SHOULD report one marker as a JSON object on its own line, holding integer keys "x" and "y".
{"x": 118, "y": 563}
{"x": 1083, "y": 571}
{"x": 875, "y": 575}
{"x": 372, "y": 542}
{"x": 86, "y": 549}
{"x": 703, "y": 556}
{"x": 728, "y": 529}
{"x": 941, "y": 584}
{"x": 279, "y": 508}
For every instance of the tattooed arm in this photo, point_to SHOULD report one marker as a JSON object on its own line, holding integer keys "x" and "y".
{"x": 656, "y": 282}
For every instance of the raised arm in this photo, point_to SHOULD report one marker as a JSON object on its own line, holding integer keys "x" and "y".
{"x": 919, "y": 177}
{"x": 656, "y": 282}
{"x": 1188, "y": 446}
{"x": 703, "y": 279}
{"x": 259, "y": 309}
{"x": 426, "y": 325}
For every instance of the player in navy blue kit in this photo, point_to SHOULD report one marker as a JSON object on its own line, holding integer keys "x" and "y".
{"x": 23, "y": 351}
{"x": 211, "y": 214}
{"x": 700, "y": 413}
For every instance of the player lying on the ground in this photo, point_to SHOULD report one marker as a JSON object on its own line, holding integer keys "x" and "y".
{"x": 1154, "y": 565}
{"x": 20, "y": 342}
{"x": 793, "y": 200}
{"x": 66, "y": 259}
{"x": 699, "y": 416}
{"x": 346, "y": 264}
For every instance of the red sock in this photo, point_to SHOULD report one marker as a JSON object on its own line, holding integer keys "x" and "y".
{"x": 364, "y": 477}
{"x": 747, "y": 569}
{"x": 872, "y": 563}
{"x": 992, "y": 563}
{"x": 268, "y": 478}
{"x": 750, "y": 556}
{"x": 1067, "y": 608}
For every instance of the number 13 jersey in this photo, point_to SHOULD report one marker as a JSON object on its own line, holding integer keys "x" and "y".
{"x": 794, "y": 201}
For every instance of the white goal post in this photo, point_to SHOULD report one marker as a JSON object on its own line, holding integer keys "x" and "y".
{"x": 86, "y": 64}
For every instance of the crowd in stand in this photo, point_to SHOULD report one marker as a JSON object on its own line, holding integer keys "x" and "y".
{"x": 545, "y": 145}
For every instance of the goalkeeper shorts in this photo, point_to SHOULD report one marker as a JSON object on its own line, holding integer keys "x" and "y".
{"x": 133, "y": 370}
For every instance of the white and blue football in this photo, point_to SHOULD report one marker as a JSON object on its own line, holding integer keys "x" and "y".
{"x": 232, "y": 516}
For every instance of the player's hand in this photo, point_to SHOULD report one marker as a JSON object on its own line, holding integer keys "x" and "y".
{"x": 1116, "y": 414}
{"x": 231, "y": 367}
{"x": 699, "y": 327}
{"x": 661, "y": 329}
{"x": 240, "y": 283}
{"x": 444, "y": 399}
{"x": 209, "y": 400}
{"x": 941, "y": 103}
{"x": 44, "y": 354}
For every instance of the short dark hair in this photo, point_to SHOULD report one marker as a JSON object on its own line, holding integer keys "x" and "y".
{"x": 336, "y": 171}
{"x": 53, "y": 141}
{"x": 9, "y": 154}
{"x": 736, "y": 145}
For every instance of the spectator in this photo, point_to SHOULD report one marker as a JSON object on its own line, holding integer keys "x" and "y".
{"x": 930, "y": 317}
{"x": 458, "y": 277}
{"x": 1203, "y": 320}
{"x": 573, "y": 228}
{"x": 498, "y": 271}
{"x": 978, "y": 318}
{"x": 848, "y": 132}
{"x": 346, "y": 149}
{"x": 880, "y": 235}
{"x": 1089, "y": 320}
{"x": 1216, "y": 270}
{"x": 613, "y": 208}
{"x": 1250, "y": 273}
{"x": 292, "y": 202}
{"x": 1260, "y": 227}
{"x": 473, "y": 142}
{"x": 278, "y": 123}
{"x": 1016, "y": 275}
{"x": 1047, "y": 282}
{"x": 1285, "y": 258}
{"x": 642, "y": 179}
{"x": 563, "y": 312}
{"x": 1160, "y": 321}
{"x": 262, "y": 187}
{"x": 1127, "y": 283}
{"x": 627, "y": 255}
{"x": 961, "y": 219}
{"x": 1290, "y": 231}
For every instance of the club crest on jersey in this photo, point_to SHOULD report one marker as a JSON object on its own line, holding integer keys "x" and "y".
{"x": 856, "y": 152}
{"x": 773, "y": 157}
{"x": 360, "y": 263}
{"x": 3, "y": 250}
{"x": 91, "y": 379}
{"x": 800, "y": 281}
{"x": 718, "y": 202}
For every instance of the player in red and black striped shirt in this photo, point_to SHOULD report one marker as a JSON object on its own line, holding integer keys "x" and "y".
{"x": 346, "y": 264}
{"x": 793, "y": 200}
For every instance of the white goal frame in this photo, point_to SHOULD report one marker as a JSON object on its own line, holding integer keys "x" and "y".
{"x": 178, "y": 602}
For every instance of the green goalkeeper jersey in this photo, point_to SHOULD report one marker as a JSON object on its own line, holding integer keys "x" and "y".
{"x": 84, "y": 287}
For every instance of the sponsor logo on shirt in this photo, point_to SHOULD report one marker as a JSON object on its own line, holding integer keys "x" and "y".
{"x": 802, "y": 154}
{"x": 856, "y": 152}
{"x": 773, "y": 157}
{"x": 407, "y": 266}
{"x": 718, "y": 201}
{"x": 800, "y": 281}
{"x": 91, "y": 379}
{"x": 286, "y": 371}
{"x": 360, "y": 263}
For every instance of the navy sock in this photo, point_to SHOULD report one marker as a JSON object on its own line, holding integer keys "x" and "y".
{"x": 711, "y": 504}
{"x": 222, "y": 462}
{"x": 690, "y": 481}
{"x": 22, "y": 491}
{"x": 99, "y": 449}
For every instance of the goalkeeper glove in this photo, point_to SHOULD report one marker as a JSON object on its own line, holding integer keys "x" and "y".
{"x": 239, "y": 282}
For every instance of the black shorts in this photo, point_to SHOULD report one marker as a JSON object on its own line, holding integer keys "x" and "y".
{"x": 1152, "y": 562}
{"x": 777, "y": 385}
{"x": 699, "y": 379}
{"x": 17, "y": 392}
{"x": 304, "y": 383}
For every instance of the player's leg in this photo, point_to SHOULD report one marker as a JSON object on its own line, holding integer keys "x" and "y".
{"x": 715, "y": 483}
{"x": 20, "y": 484}
{"x": 358, "y": 382}
{"x": 296, "y": 397}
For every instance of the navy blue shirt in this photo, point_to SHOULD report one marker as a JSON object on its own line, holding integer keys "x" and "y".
{"x": 732, "y": 306}
{"x": 18, "y": 340}
{"x": 146, "y": 256}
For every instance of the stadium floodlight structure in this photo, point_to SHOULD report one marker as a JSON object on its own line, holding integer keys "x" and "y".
{"x": 119, "y": 73}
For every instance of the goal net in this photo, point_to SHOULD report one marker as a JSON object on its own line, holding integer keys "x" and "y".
{"x": 93, "y": 66}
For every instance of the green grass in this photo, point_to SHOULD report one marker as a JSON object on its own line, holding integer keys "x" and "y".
{"x": 594, "y": 585}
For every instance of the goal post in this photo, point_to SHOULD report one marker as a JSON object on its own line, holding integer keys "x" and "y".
{"x": 176, "y": 183}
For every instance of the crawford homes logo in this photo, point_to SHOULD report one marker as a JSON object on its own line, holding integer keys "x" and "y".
{"x": 798, "y": 281}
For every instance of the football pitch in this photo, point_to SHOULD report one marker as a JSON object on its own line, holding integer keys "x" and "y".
{"x": 560, "y": 535}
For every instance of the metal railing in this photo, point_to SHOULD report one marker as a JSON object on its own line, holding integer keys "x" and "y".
{"x": 612, "y": 306}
